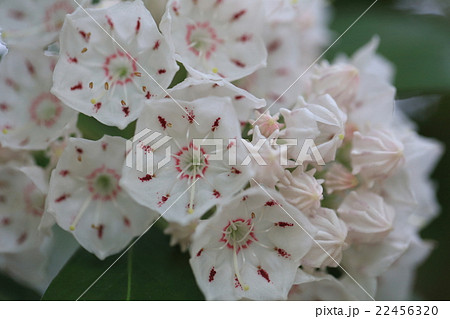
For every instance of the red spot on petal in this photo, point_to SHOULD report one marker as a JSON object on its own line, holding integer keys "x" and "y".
{"x": 79, "y": 150}
{"x": 146, "y": 178}
{"x": 216, "y": 193}
{"x": 86, "y": 36}
{"x": 238, "y": 63}
{"x": 30, "y": 68}
{"x": 215, "y": 124}
{"x": 61, "y": 198}
{"x": 110, "y": 22}
{"x": 64, "y": 173}
{"x": 239, "y": 97}
{"x": 234, "y": 170}
{"x": 16, "y": 14}
{"x": 244, "y": 198}
{"x": 212, "y": 274}
{"x": 199, "y": 253}
{"x": 163, "y": 200}
{"x": 148, "y": 95}
{"x": 78, "y": 86}
{"x": 238, "y": 14}
{"x": 273, "y": 46}
{"x": 22, "y": 238}
{"x": 100, "y": 231}
{"x": 189, "y": 115}
{"x": 104, "y": 146}
{"x": 6, "y": 221}
{"x": 245, "y": 37}
{"x": 237, "y": 284}
{"x": 271, "y": 203}
{"x": 72, "y": 60}
{"x": 126, "y": 221}
{"x": 97, "y": 106}
{"x": 161, "y": 71}
{"x": 162, "y": 121}
{"x": 282, "y": 253}
{"x": 12, "y": 84}
{"x": 156, "y": 46}
{"x": 263, "y": 274}
{"x": 176, "y": 8}
{"x": 284, "y": 224}
{"x": 138, "y": 25}
{"x": 126, "y": 110}
{"x": 3, "y": 107}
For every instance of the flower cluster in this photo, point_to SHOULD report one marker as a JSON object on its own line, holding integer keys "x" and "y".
{"x": 281, "y": 183}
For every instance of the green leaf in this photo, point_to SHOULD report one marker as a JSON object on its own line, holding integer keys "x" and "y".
{"x": 94, "y": 130}
{"x": 417, "y": 45}
{"x": 150, "y": 270}
{"x": 11, "y": 290}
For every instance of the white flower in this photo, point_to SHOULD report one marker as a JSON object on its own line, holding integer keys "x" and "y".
{"x": 86, "y": 199}
{"x": 374, "y": 101}
{"x": 33, "y": 23}
{"x": 340, "y": 81}
{"x": 267, "y": 158}
{"x": 27, "y": 267}
{"x": 30, "y": 116}
{"x": 111, "y": 80}
{"x": 329, "y": 120}
{"x": 329, "y": 239}
{"x": 301, "y": 189}
{"x": 216, "y": 39}
{"x": 267, "y": 124}
{"x": 243, "y": 102}
{"x": 397, "y": 282}
{"x": 250, "y": 248}
{"x": 318, "y": 285}
{"x": 368, "y": 218}
{"x": 376, "y": 155}
{"x": 294, "y": 33}
{"x": 339, "y": 178}
{"x": 22, "y": 197}
{"x": 15, "y": 157}
{"x": 181, "y": 234}
{"x": 197, "y": 175}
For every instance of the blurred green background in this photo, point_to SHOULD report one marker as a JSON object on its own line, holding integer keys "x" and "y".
{"x": 419, "y": 47}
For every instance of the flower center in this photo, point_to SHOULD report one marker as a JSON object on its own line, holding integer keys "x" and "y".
{"x": 238, "y": 234}
{"x": 191, "y": 162}
{"x": 103, "y": 183}
{"x": 202, "y": 39}
{"x": 120, "y": 68}
{"x": 45, "y": 110}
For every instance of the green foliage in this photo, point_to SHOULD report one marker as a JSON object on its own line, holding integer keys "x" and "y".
{"x": 94, "y": 130}
{"x": 11, "y": 290}
{"x": 417, "y": 45}
{"x": 150, "y": 270}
